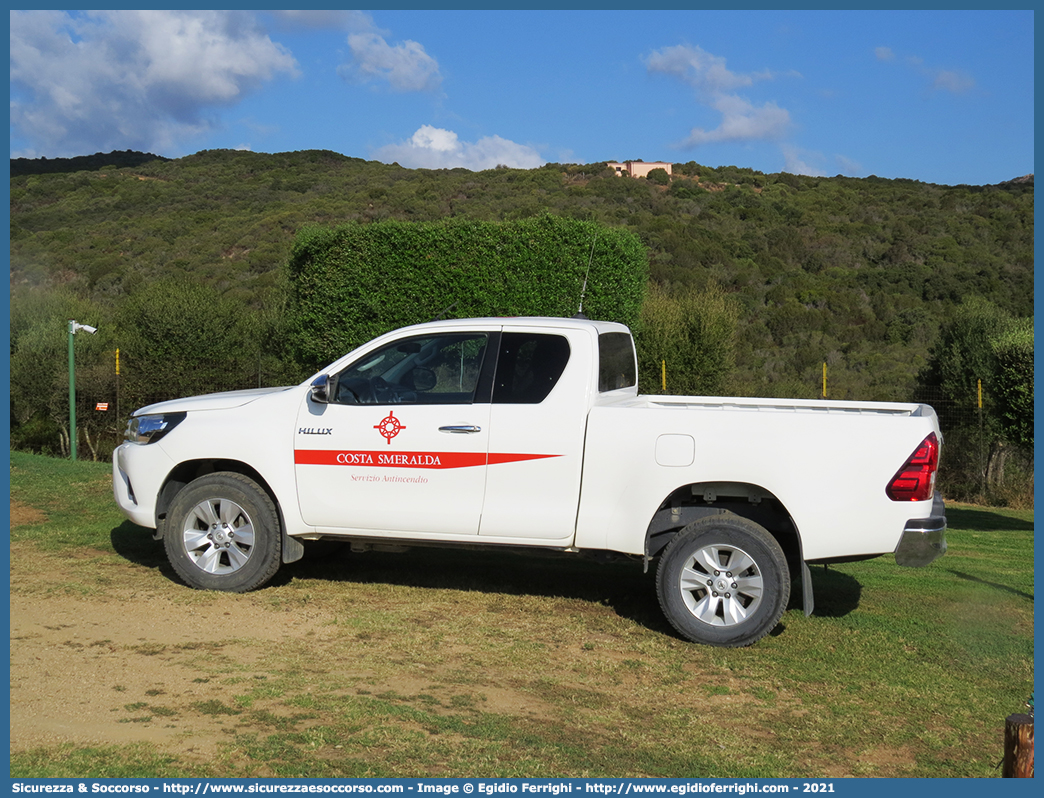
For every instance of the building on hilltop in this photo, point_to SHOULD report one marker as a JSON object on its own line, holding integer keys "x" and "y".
{"x": 638, "y": 168}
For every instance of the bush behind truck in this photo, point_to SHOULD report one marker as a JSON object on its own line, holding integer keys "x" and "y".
{"x": 349, "y": 284}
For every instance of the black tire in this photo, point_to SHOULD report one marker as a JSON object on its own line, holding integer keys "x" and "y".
{"x": 222, "y": 533}
{"x": 723, "y": 581}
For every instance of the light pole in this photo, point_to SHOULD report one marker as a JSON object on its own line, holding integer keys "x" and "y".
{"x": 74, "y": 327}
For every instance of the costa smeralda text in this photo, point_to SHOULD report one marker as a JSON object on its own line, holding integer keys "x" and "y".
{"x": 365, "y": 458}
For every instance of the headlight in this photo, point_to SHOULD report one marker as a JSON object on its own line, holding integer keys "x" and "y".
{"x": 149, "y": 429}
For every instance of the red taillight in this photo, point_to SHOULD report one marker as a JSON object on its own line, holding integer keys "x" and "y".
{"x": 915, "y": 481}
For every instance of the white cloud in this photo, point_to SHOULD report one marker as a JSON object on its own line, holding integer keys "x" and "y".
{"x": 741, "y": 121}
{"x": 796, "y": 163}
{"x": 847, "y": 166}
{"x": 954, "y": 81}
{"x": 132, "y": 79}
{"x": 326, "y": 19}
{"x": 699, "y": 69}
{"x": 435, "y": 139}
{"x": 715, "y": 87}
{"x": 435, "y": 148}
{"x": 405, "y": 66}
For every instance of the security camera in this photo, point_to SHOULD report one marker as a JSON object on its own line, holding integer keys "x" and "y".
{"x": 76, "y": 327}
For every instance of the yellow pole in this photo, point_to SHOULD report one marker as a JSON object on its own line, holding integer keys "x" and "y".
{"x": 980, "y": 394}
{"x": 663, "y": 375}
{"x": 824, "y": 380}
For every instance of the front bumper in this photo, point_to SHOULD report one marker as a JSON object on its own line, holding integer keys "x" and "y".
{"x": 138, "y": 473}
{"x": 924, "y": 539}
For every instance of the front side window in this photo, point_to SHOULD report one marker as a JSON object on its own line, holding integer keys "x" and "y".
{"x": 436, "y": 369}
{"x": 528, "y": 367}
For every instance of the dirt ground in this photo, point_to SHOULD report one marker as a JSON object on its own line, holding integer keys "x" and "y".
{"x": 91, "y": 668}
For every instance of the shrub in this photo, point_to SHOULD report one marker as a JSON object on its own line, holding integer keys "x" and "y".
{"x": 351, "y": 283}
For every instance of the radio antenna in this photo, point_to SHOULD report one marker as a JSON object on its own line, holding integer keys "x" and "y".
{"x": 583, "y": 290}
{"x": 445, "y": 312}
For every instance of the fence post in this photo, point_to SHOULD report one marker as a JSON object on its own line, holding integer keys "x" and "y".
{"x": 1018, "y": 747}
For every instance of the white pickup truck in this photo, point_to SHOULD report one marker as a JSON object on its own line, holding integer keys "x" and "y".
{"x": 530, "y": 432}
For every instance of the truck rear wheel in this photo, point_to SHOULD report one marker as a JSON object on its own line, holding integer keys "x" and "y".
{"x": 723, "y": 581}
{"x": 222, "y": 533}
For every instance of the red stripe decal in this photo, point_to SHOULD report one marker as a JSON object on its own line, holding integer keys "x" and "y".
{"x": 407, "y": 459}
{"x": 496, "y": 459}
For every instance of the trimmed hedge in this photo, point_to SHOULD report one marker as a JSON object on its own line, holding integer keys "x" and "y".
{"x": 351, "y": 283}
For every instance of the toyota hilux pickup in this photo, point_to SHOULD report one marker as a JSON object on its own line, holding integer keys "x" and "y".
{"x": 530, "y": 432}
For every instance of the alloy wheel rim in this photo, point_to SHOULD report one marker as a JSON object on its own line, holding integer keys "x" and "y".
{"x": 218, "y": 536}
{"x": 721, "y": 585}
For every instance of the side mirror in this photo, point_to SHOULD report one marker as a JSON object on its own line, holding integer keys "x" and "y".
{"x": 321, "y": 389}
{"x": 423, "y": 379}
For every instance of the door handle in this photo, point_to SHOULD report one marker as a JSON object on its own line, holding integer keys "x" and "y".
{"x": 461, "y": 429}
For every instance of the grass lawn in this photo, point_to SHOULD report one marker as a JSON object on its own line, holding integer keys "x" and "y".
{"x": 482, "y": 663}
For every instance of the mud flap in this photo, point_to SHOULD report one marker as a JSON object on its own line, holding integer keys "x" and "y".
{"x": 293, "y": 549}
{"x": 806, "y": 589}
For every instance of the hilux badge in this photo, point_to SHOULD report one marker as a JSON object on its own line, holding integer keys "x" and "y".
{"x": 389, "y": 427}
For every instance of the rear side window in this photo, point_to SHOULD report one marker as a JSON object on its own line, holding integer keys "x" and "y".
{"x": 615, "y": 362}
{"x": 528, "y": 367}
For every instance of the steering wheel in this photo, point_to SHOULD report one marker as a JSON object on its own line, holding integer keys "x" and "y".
{"x": 383, "y": 392}
{"x": 361, "y": 392}
{"x": 386, "y": 393}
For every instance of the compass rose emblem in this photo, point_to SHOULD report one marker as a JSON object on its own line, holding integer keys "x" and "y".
{"x": 389, "y": 427}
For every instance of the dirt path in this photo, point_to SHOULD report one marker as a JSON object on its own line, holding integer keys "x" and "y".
{"x": 129, "y": 664}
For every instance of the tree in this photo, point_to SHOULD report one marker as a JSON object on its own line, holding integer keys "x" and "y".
{"x": 693, "y": 331}
{"x": 964, "y": 355}
{"x": 181, "y": 338}
{"x": 659, "y": 177}
{"x": 1013, "y": 381}
{"x": 40, "y": 374}
{"x": 982, "y": 345}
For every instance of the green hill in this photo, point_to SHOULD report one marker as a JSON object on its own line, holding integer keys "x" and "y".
{"x": 858, "y": 273}
{"x": 797, "y": 272}
{"x": 81, "y": 163}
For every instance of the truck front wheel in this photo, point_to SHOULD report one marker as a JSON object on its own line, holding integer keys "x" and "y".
{"x": 222, "y": 533}
{"x": 723, "y": 581}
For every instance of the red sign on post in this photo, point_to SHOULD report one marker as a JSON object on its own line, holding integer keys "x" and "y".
{"x": 102, "y": 406}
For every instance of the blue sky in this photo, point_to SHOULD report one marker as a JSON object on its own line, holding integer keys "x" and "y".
{"x": 939, "y": 96}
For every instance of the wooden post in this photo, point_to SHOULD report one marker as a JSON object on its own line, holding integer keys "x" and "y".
{"x": 1018, "y": 747}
